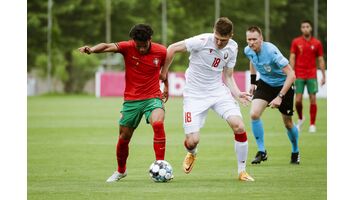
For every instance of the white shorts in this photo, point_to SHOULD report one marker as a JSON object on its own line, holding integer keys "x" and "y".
{"x": 196, "y": 109}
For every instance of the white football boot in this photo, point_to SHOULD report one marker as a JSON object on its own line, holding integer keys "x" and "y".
{"x": 116, "y": 176}
{"x": 312, "y": 129}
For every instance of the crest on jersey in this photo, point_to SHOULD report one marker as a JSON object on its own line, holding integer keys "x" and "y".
{"x": 211, "y": 50}
{"x": 225, "y": 56}
{"x": 267, "y": 68}
{"x": 312, "y": 47}
{"x": 156, "y": 61}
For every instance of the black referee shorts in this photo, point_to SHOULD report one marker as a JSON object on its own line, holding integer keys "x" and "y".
{"x": 268, "y": 93}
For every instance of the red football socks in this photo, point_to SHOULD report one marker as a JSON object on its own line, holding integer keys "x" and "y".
{"x": 122, "y": 154}
{"x": 159, "y": 140}
{"x": 242, "y": 137}
{"x": 313, "y": 113}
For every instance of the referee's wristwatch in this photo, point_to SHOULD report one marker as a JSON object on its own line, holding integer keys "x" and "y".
{"x": 281, "y": 95}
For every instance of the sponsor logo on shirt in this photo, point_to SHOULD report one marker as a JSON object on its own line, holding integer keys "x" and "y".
{"x": 225, "y": 55}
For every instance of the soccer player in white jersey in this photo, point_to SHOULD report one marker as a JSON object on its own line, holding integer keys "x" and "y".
{"x": 211, "y": 55}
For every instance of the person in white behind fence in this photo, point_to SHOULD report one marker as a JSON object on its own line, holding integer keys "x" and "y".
{"x": 210, "y": 55}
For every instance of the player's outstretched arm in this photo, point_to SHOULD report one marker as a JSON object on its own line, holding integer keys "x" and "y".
{"x": 172, "y": 49}
{"x": 99, "y": 48}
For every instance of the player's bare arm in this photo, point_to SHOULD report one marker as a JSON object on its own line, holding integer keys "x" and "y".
{"x": 243, "y": 97}
{"x": 292, "y": 60}
{"x": 252, "y": 72}
{"x": 290, "y": 78}
{"x": 166, "y": 90}
{"x": 321, "y": 63}
{"x": 99, "y": 48}
{"x": 172, "y": 49}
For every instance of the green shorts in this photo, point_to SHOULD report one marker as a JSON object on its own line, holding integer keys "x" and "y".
{"x": 312, "y": 85}
{"x": 132, "y": 111}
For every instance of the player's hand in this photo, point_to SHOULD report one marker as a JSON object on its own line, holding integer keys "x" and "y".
{"x": 252, "y": 89}
{"x": 275, "y": 103}
{"x": 244, "y": 98}
{"x": 85, "y": 49}
{"x": 166, "y": 91}
{"x": 163, "y": 76}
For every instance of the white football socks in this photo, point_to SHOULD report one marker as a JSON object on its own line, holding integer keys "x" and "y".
{"x": 241, "y": 152}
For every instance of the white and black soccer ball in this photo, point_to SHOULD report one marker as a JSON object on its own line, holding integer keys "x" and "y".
{"x": 161, "y": 171}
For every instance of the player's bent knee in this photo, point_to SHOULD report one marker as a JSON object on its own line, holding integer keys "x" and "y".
{"x": 191, "y": 144}
{"x": 125, "y": 136}
{"x": 254, "y": 115}
{"x": 126, "y": 132}
{"x": 238, "y": 128}
{"x": 192, "y": 141}
{"x": 289, "y": 125}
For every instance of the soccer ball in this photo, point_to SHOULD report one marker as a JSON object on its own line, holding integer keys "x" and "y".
{"x": 161, "y": 171}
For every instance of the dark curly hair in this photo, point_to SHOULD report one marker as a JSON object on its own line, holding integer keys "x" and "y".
{"x": 141, "y": 32}
{"x": 306, "y": 21}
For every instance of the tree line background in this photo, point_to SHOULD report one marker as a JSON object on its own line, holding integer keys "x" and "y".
{"x": 80, "y": 22}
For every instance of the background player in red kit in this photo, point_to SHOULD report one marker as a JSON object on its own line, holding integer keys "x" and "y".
{"x": 143, "y": 61}
{"x": 305, "y": 50}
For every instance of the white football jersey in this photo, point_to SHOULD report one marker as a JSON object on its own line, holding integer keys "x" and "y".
{"x": 204, "y": 74}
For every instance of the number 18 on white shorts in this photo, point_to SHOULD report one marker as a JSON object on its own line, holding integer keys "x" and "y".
{"x": 196, "y": 110}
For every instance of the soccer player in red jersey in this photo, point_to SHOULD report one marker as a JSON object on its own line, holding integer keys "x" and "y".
{"x": 143, "y": 61}
{"x": 305, "y": 50}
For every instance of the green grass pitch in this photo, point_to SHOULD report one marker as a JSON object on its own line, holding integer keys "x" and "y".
{"x": 71, "y": 153}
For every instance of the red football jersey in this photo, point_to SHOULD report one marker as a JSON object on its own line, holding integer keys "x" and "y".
{"x": 306, "y": 54}
{"x": 142, "y": 71}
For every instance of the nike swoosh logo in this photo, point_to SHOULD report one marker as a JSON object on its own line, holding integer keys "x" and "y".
{"x": 188, "y": 169}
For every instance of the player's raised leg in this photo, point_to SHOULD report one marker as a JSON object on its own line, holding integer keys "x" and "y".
{"x": 122, "y": 151}
{"x": 292, "y": 133}
{"x": 257, "y": 108}
{"x": 240, "y": 146}
{"x": 157, "y": 122}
